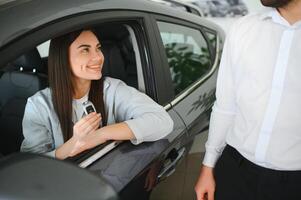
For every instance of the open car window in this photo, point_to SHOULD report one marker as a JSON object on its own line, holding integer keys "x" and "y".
{"x": 28, "y": 73}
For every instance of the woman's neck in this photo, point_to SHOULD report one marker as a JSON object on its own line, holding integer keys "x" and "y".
{"x": 291, "y": 12}
{"x": 82, "y": 87}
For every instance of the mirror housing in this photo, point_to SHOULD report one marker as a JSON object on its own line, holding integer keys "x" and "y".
{"x": 31, "y": 176}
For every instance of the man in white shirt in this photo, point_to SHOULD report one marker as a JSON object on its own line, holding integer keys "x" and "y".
{"x": 254, "y": 145}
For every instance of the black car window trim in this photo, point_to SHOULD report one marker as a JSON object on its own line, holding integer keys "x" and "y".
{"x": 142, "y": 34}
{"x": 212, "y": 48}
{"x": 214, "y": 65}
{"x": 159, "y": 72}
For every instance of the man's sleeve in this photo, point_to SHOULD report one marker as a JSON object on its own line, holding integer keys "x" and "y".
{"x": 224, "y": 108}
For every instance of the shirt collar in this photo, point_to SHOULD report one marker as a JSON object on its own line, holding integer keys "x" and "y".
{"x": 274, "y": 15}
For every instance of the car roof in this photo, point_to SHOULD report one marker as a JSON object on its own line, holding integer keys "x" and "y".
{"x": 19, "y": 17}
{"x": 188, "y": 6}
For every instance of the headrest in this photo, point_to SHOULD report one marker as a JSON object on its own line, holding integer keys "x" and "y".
{"x": 30, "y": 61}
{"x": 104, "y": 32}
{"x": 114, "y": 65}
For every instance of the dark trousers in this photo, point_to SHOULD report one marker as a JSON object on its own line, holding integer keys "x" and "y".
{"x": 239, "y": 179}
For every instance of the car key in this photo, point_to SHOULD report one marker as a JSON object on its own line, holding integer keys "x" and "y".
{"x": 89, "y": 108}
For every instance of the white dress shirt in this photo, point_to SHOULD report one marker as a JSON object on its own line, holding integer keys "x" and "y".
{"x": 258, "y": 106}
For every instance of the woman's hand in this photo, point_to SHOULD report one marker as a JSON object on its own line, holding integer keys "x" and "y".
{"x": 205, "y": 185}
{"x": 86, "y": 125}
{"x": 82, "y": 131}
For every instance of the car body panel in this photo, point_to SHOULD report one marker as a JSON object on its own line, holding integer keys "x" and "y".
{"x": 127, "y": 166}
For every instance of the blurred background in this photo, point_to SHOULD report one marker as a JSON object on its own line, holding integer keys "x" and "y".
{"x": 225, "y": 12}
{"x": 222, "y": 12}
{"x": 233, "y": 9}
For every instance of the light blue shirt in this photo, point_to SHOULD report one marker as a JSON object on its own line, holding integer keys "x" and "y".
{"x": 147, "y": 120}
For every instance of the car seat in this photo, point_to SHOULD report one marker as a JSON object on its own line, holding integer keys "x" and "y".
{"x": 114, "y": 65}
{"x": 120, "y": 61}
{"x": 21, "y": 79}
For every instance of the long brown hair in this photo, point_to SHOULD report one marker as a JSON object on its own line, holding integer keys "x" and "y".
{"x": 61, "y": 83}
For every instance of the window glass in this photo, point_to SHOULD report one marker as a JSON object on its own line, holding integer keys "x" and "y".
{"x": 187, "y": 53}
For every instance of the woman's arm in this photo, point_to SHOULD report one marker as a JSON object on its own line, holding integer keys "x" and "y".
{"x": 66, "y": 149}
{"x": 147, "y": 120}
{"x": 119, "y": 131}
{"x": 140, "y": 118}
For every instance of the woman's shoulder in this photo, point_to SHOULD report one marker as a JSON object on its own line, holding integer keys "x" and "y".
{"x": 111, "y": 85}
{"x": 115, "y": 88}
{"x": 112, "y": 82}
{"x": 42, "y": 97}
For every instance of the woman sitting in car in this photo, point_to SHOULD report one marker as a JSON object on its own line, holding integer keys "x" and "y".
{"x": 55, "y": 123}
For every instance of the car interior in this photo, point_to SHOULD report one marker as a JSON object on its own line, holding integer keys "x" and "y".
{"x": 27, "y": 74}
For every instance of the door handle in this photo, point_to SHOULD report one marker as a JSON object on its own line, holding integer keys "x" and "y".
{"x": 170, "y": 168}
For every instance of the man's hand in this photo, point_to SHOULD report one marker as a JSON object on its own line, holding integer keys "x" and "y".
{"x": 205, "y": 185}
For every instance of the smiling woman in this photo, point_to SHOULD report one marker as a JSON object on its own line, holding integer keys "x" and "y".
{"x": 86, "y": 58}
{"x": 54, "y": 122}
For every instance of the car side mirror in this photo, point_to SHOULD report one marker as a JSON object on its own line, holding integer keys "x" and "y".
{"x": 31, "y": 176}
